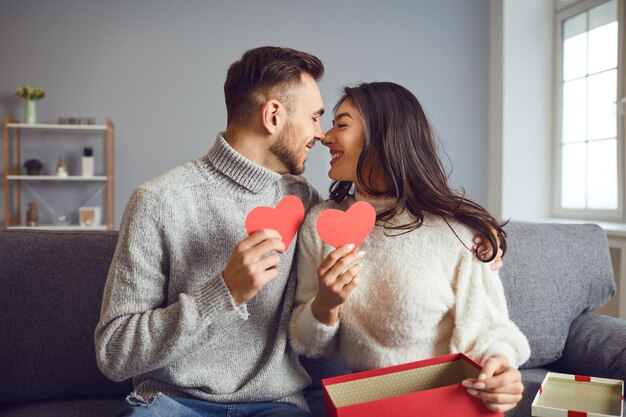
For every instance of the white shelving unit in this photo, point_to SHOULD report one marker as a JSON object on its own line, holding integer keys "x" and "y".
{"x": 51, "y": 126}
{"x": 63, "y": 228}
{"x": 56, "y": 178}
{"x": 13, "y": 177}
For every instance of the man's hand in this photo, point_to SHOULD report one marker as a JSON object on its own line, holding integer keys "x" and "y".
{"x": 251, "y": 266}
{"x": 499, "y": 385}
{"x": 483, "y": 250}
{"x": 336, "y": 282}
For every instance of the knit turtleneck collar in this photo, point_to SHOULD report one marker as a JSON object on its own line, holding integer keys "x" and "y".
{"x": 235, "y": 166}
{"x": 380, "y": 203}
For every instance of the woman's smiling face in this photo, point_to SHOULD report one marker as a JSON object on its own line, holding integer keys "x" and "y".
{"x": 345, "y": 141}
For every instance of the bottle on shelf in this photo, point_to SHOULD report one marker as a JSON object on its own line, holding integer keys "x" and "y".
{"x": 32, "y": 215}
{"x": 87, "y": 162}
{"x": 61, "y": 168}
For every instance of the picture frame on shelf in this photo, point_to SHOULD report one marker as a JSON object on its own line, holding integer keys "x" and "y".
{"x": 89, "y": 216}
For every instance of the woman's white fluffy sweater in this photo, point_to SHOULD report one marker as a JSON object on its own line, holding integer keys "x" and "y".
{"x": 421, "y": 294}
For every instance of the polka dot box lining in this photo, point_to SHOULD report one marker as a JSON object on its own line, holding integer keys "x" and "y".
{"x": 429, "y": 387}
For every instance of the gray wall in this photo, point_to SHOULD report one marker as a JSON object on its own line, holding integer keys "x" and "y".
{"x": 156, "y": 68}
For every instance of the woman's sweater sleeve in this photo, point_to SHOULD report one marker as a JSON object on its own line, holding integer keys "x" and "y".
{"x": 308, "y": 336}
{"x": 482, "y": 325}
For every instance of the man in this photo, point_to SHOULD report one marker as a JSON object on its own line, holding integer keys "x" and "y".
{"x": 199, "y": 325}
{"x": 193, "y": 310}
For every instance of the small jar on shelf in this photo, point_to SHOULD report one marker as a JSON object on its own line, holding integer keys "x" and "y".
{"x": 32, "y": 214}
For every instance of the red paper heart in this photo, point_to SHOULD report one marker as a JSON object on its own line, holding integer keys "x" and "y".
{"x": 286, "y": 218}
{"x": 338, "y": 228}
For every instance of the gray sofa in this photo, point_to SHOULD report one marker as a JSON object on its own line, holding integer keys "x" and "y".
{"x": 51, "y": 287}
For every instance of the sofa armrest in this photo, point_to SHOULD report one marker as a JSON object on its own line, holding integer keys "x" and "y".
{"x": 596, "y": 346}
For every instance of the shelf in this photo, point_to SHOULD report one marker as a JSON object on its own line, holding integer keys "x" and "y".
{"x": 18, "y": 185}
{"x": 55, "y": 178}
{"x": 51, "y": 126}
{"x": 53, "y": 227}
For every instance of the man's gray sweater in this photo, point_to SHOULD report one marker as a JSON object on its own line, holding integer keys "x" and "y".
{"x": 168, "y": 319}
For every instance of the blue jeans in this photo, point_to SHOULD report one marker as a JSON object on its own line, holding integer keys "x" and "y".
{"x": 164, "y": 406}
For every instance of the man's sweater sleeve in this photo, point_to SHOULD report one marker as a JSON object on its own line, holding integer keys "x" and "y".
{"x": 308, "y": 336}
{"x": 482, "y": 325}
{"x": 138, "y": 331}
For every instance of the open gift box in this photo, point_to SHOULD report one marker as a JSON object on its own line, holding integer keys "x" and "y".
{"x": 430, "y": 387}
{"x": 565, "y": 395}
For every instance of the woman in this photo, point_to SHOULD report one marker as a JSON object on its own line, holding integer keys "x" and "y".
{"x": 414, "y": 289}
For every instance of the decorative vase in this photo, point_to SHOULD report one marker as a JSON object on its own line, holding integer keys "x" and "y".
{"x": 30, "y": 115}
{"x": 61, "y": 168}
{"x": 32, "y": 215}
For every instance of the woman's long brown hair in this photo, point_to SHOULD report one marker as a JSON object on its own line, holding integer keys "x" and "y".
{"x": 399, "y": 139}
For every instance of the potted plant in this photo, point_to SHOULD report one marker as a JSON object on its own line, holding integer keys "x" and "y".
{"x": 30, "y": 94}
{"x": 33, "y": 166}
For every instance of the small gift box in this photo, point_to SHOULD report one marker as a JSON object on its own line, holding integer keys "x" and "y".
{"x": 565, "y": 395}
{"x": 430, "y": 387}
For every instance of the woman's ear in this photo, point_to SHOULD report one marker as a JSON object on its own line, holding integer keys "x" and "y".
{"x": 273, "y": 114}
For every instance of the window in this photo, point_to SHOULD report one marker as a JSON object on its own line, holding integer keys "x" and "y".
{"x": 590, "y": 110}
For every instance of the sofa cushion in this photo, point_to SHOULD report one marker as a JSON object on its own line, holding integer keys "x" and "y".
{"x": 99, "y": 407}
{"x": 552, "y": 273}
{"x": 596, "y": 346}
{"x": 52, "y": 284}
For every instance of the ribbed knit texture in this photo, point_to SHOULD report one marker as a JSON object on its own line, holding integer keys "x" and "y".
{"x": 168, "y": 319}
{"x": 421, "y": 294}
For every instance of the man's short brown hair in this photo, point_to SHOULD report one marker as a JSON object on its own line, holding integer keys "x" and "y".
{"x": 263, "y": 74}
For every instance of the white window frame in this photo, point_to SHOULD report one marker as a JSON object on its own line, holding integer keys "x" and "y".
{"x": 563, "y": 10}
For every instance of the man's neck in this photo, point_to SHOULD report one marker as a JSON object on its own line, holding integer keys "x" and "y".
{"x": 253, "y": 145}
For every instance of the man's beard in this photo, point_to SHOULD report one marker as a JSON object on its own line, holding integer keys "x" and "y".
{"x": 286, "y": 155}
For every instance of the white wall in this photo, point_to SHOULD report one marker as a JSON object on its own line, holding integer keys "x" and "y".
{"x": 157, "y": 68}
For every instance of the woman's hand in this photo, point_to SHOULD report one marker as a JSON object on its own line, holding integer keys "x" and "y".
{"x": 483, "y": 250}
{"x": 499, "y": 385}
{"x": 336, "y": 282}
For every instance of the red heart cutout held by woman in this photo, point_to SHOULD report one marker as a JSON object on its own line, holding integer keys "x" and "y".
{"x": 286, "y": 218}
{"x": 338, "y": 228}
